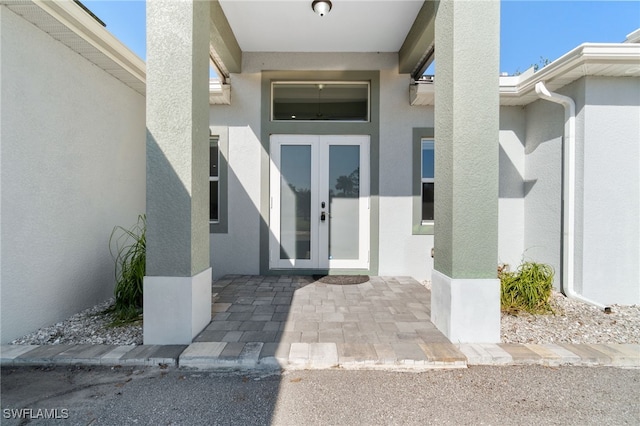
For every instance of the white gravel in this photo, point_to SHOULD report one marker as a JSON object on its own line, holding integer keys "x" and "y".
{"x": 90, "y": 326}
{"x": 574, "y": 322}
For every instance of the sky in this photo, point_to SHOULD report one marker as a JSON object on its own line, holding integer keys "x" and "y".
{"x": 530, "y": 31}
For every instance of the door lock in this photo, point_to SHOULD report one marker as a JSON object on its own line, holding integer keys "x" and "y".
{"x": 323, "y": 216}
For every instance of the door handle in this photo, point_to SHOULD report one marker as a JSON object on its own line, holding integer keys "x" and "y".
{"x": 323, "y": 216}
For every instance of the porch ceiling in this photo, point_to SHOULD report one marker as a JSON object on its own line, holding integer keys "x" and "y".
{"x": 403, "y": 26}
{"x": 292, "y": 26}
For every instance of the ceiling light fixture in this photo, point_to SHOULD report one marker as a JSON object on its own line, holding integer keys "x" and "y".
{"x": 321, "y": 7}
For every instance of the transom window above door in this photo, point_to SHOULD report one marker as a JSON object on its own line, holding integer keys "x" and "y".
{"x": 320, "y": 101}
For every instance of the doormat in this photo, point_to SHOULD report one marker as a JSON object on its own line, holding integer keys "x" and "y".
{"x": 341, "y": 279}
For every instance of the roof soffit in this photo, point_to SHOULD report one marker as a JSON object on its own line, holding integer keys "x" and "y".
{"x": 224, "y": 49}
{"x": 418, "y": 49}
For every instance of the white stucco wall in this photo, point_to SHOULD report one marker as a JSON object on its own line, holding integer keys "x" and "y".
{"x": 542, "y": 184}
{"x": 511, "y": 187}
{"x": 238, "y": 250}
{"x": 607, "y": 230}
{"x": 611, "y": 195}
{"x": 401, "y": 252}
{"x": 73, "y": 166}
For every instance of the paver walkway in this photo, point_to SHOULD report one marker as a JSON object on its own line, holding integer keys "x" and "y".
{"x": 295, "y": 322}
{"x": 298, "y": 321}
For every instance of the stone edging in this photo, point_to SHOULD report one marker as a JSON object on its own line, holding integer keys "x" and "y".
{"x": 212, "y": 355}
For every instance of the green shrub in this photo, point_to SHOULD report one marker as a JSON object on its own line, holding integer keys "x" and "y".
{"x": 528, "y": 289}
{"x": 128, "y": 249}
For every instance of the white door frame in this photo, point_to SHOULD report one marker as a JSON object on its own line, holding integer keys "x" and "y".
{"x": 320, "y": 190}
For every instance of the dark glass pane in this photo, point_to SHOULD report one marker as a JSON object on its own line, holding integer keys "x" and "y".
{"x": 427, "y": 201}
{"x": 321, "y": 101}
{"x": 213, "y": 161}
{"x": 295, "y": 202}
{"x": 213, "y": 201}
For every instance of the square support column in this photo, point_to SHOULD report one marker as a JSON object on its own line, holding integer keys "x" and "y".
{"x": 177, "y": 288}
{"x": 465, "y": 296}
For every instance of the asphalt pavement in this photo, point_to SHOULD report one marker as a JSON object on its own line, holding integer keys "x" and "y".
{"x": 478, "y": 395}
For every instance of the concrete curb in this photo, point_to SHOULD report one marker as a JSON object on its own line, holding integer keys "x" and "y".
{"x": 608, "y": 355}
{"x": 258, "y": 355}
{"x": 149, "y": 355}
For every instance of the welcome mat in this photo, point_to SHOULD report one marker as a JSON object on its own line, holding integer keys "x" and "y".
{"x": 341, "y": 279}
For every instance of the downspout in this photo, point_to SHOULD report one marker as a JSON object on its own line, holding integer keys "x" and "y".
{"x": 569, "y": 183}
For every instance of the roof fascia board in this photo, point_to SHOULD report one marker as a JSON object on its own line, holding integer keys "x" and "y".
{"x": 587, "y": 53}
{"x": 514, "y": 87}
{"x": 420, "y": 40}
{"x": 86, "y": 27}
{"x": 633, "y": 37}
{"x": 223, "y": 46}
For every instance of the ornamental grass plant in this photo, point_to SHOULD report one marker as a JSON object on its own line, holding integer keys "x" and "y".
{"x": 528, "y": 289}
{"x": 128, "y": 249}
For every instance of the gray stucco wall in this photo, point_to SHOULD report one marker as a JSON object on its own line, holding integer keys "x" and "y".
{"x": 177, "y": 143}
{"x": 72, "y": 167}
{"x": 467, "y": 128}
{"x": 610, "y": 202}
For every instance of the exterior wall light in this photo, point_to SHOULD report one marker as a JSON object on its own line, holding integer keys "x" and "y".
{"x": 321, "y": 7}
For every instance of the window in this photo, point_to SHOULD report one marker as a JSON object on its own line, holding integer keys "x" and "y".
{"x": 423, "y": 181}
{"x": 427, "y": 181}
{"x": 214, "y": 181}
{"x": 218, "y": 172}
{"x": 320, "y": 101}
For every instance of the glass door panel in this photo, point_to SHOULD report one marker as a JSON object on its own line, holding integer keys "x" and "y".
{"x": 319, "y": 202}
{"x": 344, "y": 196}
{"x": 295, "y": 202}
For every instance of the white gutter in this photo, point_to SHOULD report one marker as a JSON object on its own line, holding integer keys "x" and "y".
{"x": 577, "y": 59}
{"x": 586, "y": 59}
{"x": 569, "y": 183}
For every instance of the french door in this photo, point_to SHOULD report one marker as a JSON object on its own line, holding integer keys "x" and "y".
{"x": 319, "y": 202}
